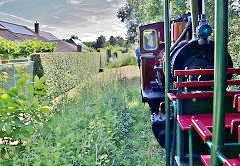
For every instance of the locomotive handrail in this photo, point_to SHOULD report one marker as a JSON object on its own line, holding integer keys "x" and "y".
{"x": 201, "y": 129}
{"x": 197, "y": 95}
{"x": 210, "y": 83}
{"x": 192, "y": 72}
{"x": 185, "y": 121}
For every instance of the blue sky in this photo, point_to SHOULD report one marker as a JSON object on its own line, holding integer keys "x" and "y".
{"x": 87, "y": 19}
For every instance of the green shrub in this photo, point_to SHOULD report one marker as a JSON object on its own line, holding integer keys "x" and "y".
{"x": 66, "y": 70}
{"x": 10, "y": 69}
{"x": 23, "y": 108}
{"x": 17, "y": 49}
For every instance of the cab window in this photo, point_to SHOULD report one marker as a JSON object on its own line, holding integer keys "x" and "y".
{"x": 150, "y": 39}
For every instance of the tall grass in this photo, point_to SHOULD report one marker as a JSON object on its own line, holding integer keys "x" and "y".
{"x": 123, "y": 61}
{"x": 105, "y": 124}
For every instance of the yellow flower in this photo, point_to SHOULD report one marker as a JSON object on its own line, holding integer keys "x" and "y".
{"x": 5, "y": 97}
{"x": 5, "y": 75}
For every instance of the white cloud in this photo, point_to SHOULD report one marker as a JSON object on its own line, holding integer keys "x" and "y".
{"x": 87, "y": 18}
{"x": 14, "y": 16}
{"x": 6, "y": 1}
{"x": 74, "y": 2}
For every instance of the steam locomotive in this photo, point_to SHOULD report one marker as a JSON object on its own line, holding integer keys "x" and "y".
{"x": 199, "y": 108}
{"x": 188, "y": 51}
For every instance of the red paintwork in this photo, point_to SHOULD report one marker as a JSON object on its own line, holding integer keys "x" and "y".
{"x": 232, "y": 93}
{"x": 202, "y": 83}
{"x": 147, "y": 72}
{"x": 171, "y": 96}
{"x": 201, "y": 94}
{"x": 194, "y": 95}
{"x": 201, "y": 129}
{"x": 236, "y": 102}
{"x": 185, "y": 120}
{"x": 232, "y": 162}
{"x": 193, "y": 84}
{"x": 160, "y": 28}
{"x": 204, "y": 72}
{"x": 239, "y": 138}
{"x": 234, "y": 125}
{"x": 206, "y": 160}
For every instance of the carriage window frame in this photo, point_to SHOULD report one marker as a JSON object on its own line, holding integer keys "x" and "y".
{"x": 150, "y": 39}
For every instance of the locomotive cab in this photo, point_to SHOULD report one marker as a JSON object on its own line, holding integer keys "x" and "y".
{"x": 151, "y": 49}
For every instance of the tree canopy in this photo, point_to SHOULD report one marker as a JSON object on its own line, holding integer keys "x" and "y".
{"x": 138, "y": 12}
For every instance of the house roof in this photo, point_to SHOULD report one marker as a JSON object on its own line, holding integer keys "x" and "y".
{"x": 63, "y": 46}
{"x": 11, "y": 31}
{"x": 22, "y": 32}
{"x": 4, "y": 33}
{"x": 48, "y": 36}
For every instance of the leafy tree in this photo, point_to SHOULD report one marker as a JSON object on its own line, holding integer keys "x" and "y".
{"x": 112, "y": 40}
{"x": 100, "y": 42}
{"x": 135, "y": 12}
{"x": 90, "y": 44}
{"x": 120, "y": 41}
{"x": 179, "y": 7}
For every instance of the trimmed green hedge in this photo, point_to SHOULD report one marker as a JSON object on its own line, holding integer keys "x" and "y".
{"x": 66, "y": 70}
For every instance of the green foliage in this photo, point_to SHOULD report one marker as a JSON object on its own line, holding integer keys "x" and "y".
{"x": 24, "y": 48}
{"x": 23, "y": 109}
{"x": 180, "y": 7}
{"x": 101, "y": 42}
{"x": 10, "y": 69}
{"x": 105, "y": 124}
{"x": 123, "y": 61}
{"x": 135, "y": 12}
{"x": 66, "y": 70}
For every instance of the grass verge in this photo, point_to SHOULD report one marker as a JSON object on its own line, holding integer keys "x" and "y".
{"x": 123, "y": 61}
{"x": 105, "y": 124}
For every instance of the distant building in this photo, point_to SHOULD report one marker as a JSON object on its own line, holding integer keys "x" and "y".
{"x": 77, "y": 42}
{"x": 14, "y": 32}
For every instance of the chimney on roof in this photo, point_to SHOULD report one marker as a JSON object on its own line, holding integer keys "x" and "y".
{"x": 36, "y": 27}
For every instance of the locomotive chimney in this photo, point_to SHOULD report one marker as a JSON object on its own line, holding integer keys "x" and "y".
{"x": 36, "y": 27}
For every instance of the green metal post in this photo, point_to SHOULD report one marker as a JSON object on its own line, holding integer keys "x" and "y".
{"x": 180, "y": 136}
{"x": 167, "y": 73}
{"x": 220, "y": 54}
{"x": 190, "y": 145}
{"x": 194, "y": 12}
{"x": 174, "y": 133}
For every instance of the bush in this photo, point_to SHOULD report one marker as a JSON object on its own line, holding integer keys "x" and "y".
{"x": 25, "y": 48}
{"x": 10, "y": 69}
{"x": 23, "y": 108}
{"x": 66, "y": 70}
